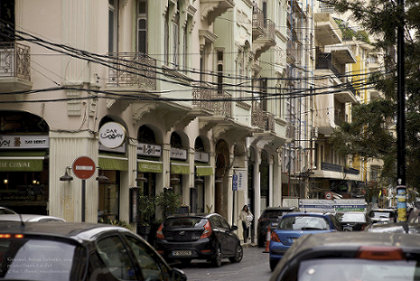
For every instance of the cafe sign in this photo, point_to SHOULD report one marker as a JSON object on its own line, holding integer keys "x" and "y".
{"x": 178, "y": 153}
{"x": 24, "y": 141}
{"x": 112, "y": 135}
{"x": 145, "y": 149}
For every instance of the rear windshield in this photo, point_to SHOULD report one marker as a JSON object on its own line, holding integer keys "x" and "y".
{"x": 353, "y": 217}
{"x": 38, "y": 259}
{"x": 358, "y": 269}
{"x": 379, "y": 214}
{"x": 190, "y": 222}
{"x": 303, "y": 223}
{"x": 273, "y": 213}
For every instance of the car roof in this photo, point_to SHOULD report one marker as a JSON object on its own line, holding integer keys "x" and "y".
{"x": 193, "y": 215}
{"x": 28, "y": 217}
{"x": 81, "y": 232}
{"x": 309, "y": 214}
{"x": 394, "y": 227}
{"x": 280, "y": 208}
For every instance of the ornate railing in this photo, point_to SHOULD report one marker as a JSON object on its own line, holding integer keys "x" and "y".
{"x": 201, "y": 97}
{"x": 270, "y": 29}
{"x": 204, "y": 97}
{"x": 15, "y": 60}
{"x": 257, "y": 19}
{"x": 261, "y": 118}
{"x": 132, "y": 70}
{"x": 223, "y": 108}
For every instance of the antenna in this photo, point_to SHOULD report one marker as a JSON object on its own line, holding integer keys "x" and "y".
{"x": 13, "y": 212}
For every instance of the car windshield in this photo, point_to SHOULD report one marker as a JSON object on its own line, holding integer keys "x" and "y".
{"x": 358, "y": 269}
{"x": 303, "y": 223}
{"x": 188, "y": 222}
{"x": 353, "y": 217}
{"x": 38, "y": 259}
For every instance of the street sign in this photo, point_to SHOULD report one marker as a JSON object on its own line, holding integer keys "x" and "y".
{"x": 235, "y": 182}
{"x": 328, "y": 195}
{"x": 83, "y": 167}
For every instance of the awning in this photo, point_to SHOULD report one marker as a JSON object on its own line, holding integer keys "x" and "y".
{"x": 180, "y": 168}
{"x": 113, "y": 163}
{"x": 202, "y": 170}
{"x": 148, "y": 166}
{"x": 22, "y": 161}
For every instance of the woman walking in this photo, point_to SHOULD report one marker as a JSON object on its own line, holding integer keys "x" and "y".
{"x": 246, "y": 217}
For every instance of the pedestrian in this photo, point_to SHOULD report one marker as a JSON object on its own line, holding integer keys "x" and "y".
{"x": 246, "y": 217}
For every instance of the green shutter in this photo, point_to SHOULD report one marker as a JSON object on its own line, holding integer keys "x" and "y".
{"x": 147, "y": 166}
{"x": 181, "y": 168}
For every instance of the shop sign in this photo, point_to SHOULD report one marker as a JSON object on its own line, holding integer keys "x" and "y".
{"x": 24, "y": 141}
{"x": 112, "y": 134}
{"x": 177, "y": 153}
{"x": 149, "y": 166}
{"x": 201, "y": 157}
{"x": 21, "y": 165}
{"x": 242, "y": 178}
{"x": 146, "y": 149}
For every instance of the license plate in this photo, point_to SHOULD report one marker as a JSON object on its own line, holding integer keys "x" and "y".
{"x": 183, "y": 253}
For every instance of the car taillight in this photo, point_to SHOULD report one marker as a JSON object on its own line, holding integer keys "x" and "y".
{"x": 274, "y": 237}
{"x": 159, "y": 232}
{"x": 380, "y": 253}
{"x": 8, "y": 236}
{"x": 207, "y": 231}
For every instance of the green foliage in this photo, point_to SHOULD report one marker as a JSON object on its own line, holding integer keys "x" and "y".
{"x": 146, "y": 209}
{"x": 367, "y": 135}
{"x": 117, "y": 223}
{"x": 169, "y": 201}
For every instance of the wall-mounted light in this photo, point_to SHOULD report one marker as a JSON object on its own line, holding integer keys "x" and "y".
{"x": 66, "y": 176}
{"x": 101, "y": 178}
{"x": 5, "y": 181}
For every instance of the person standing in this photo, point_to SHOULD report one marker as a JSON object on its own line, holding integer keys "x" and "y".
{"x": 246, "y": 217}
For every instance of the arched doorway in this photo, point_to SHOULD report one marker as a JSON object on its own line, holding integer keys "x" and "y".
{"x": 221, "y": 178}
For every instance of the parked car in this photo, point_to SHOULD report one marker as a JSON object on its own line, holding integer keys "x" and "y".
{"x": 268, "y": 217}
{"x": 294, "y": 225}
{"x": 208, "y": 236}
{"x": 397, "y": 227}
{"x": 29, "y": 218}
{"x": 51, "y": 251}
{"x": 352, "y": 221}
{"x": 4, "y": 210}
{"x": 382, "y": 215}
{"x": 351, "y": 256}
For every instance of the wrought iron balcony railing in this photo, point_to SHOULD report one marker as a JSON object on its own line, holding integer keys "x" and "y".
{"x": 15, "y": 60}
{"x": 260, "y": 118}
{"x": 204, "y": 97}
{"x": 132, "y": 70}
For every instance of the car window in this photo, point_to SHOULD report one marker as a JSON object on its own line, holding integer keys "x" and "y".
{"x": 114, "y": 255}
{"x": 303, "y": 223}
{"x": 215, "y": 222}
{"x": 151, "y": 266}
{"x": 185, "y": 222}
{"x": 357, "y": 269}
{"x": 39, "y": 259}
{"x": 224, "y": 223}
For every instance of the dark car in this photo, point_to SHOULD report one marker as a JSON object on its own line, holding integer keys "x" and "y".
{"x": 294, "y": 225}
{"x": 269, "y": 216}
{"x": 208, "y": 236}
{"x": 353, "y": 221}
{"x": 75, "y": 251}
{"x": 351, "y": 256}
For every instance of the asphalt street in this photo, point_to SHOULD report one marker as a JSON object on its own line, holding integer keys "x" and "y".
{"x": 254, "y": 266}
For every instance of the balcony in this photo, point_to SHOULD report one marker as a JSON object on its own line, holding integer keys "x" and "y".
{"x": 267, "y": 40}
{"x": 211, "y": 9}
{"x": 218, "y": 108}
{"x": 260, "y": 118}
{"x": 15, "y": 65}
{"x": 327, "y": 31}
{"x": 132, "y": 70}
{"x": 257, "y": 23}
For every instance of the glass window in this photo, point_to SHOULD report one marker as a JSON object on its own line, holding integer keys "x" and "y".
{"x": 303, "y": 223}
{"x": 142, "y": 27}
{"x": 114, "y": 255}
{"x": 36, "y": 259}
{"x": 151, "y": 266}
{"x": 185, "y": 222}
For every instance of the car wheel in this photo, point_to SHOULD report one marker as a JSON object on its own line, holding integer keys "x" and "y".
{"x": 217, "y": 258}
{"x": 239, "y": 253}
{"x": 273, "y": 264}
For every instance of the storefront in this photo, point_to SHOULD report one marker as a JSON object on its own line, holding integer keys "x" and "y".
{"x": 203, "y": 171}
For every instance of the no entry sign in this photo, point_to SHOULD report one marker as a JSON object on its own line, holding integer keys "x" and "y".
{"x": 83, "y": 167}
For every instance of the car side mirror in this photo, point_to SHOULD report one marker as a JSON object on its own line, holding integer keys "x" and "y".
{"x": 178, "y": 275}
{"x": 234, "y": 227}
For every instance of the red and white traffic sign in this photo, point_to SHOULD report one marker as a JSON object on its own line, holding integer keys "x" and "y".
{"x": 83, "y": 167}
{"x": 328, "y": 195}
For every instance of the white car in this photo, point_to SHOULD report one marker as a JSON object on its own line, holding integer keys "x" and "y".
{"x": 29, "y": 218}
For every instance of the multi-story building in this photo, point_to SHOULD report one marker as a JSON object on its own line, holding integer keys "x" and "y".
{"x": 159, "y": 94}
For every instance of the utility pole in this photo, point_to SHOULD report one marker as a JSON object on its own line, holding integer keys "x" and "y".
{"x": 401, "y": 188}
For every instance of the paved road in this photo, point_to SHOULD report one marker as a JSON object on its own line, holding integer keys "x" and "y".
{"x": 254, "y": 266}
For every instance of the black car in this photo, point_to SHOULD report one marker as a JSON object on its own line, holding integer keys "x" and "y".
{"x": 75, "y": 251}
{"x": 207, "y": 236}
{"x": 348, "y": 256}
{"x": 269, "y": 216}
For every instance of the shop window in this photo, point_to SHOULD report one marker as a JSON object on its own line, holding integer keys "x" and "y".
{"x": 109, "y": 193}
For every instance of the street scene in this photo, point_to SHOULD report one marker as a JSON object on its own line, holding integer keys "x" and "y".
{"x": 209, "y": 140}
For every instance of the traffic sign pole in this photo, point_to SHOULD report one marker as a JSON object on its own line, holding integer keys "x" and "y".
{"x": 83, "y": 200}
{"x": 83, "y": 168}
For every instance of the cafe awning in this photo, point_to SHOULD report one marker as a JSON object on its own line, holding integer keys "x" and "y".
{"x": 22, "y": 161}
{"x": 113, "y": 163}
{"x": 149, "y": 166}
{"x": 182, "y": 168}
{"x": 203, "y": 169}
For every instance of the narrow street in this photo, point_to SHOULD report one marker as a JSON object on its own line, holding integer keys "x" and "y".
{"x": 254, "y": 266}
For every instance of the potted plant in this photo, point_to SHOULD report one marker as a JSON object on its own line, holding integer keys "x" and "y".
{"x": 146, "y": 211}
{"x": 169, "y": 201}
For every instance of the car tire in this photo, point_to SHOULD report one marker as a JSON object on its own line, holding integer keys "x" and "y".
{"x": 217, "y": 258}
{"x": 239, "y": 253}
{"x": 273, "y": 264}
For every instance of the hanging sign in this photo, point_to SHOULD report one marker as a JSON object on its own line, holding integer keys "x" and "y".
{"x": 112, "y": 134}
